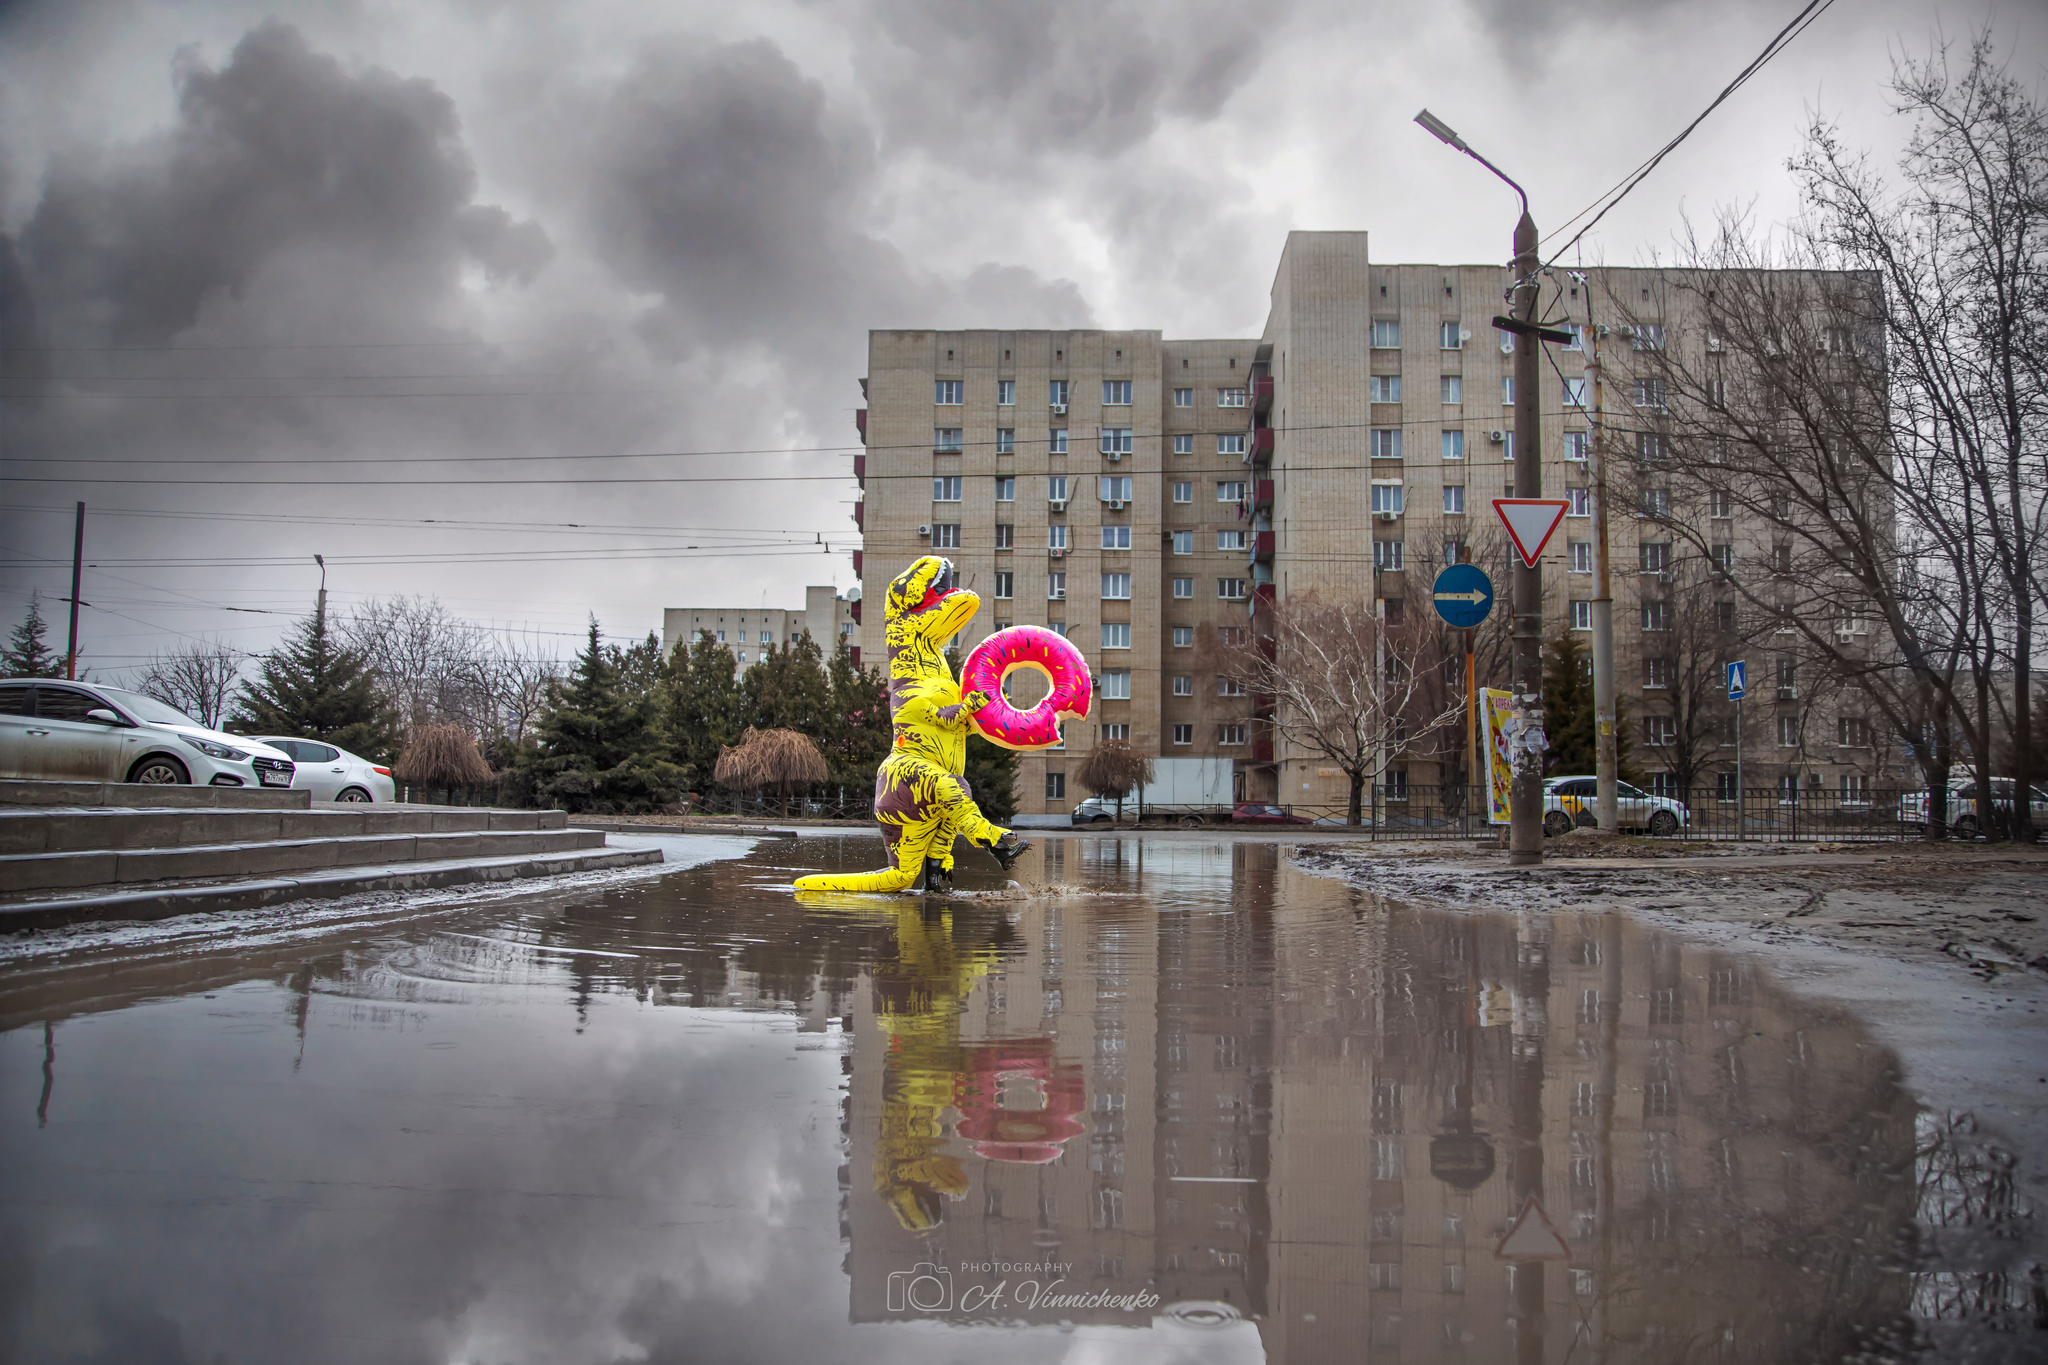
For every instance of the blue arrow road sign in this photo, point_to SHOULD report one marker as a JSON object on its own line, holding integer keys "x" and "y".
{"x": 1738, "y": 682}
{"x": 1464, "y": 595}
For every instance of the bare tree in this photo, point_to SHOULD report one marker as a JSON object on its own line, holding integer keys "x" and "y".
{"x": 1689, "y": 631}
{"x": 1346, "y": 684}
{"x": 1113, "y": 768}
{"x": 774, "y": 760}
{"x": 199, "y": 678}
{"x": 442, "y": 756}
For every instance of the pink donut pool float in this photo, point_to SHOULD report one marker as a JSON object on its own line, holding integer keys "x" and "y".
{"x": 1003, "y": 653}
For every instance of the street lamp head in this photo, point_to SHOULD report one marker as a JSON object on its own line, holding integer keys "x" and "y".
{"x": 1441, "y": 130}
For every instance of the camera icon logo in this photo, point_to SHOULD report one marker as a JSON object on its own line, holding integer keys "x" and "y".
{"x": 924, "y": 1288}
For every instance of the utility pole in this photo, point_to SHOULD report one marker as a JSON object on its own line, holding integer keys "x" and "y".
{"x": 1605, "y": 744}
{"x": 77, "y": 566}
{"x": 320, "y": 609}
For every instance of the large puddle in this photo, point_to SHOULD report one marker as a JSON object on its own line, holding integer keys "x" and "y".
{"x": 1197, "y": 1106}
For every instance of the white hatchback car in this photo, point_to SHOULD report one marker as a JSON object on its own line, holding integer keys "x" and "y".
{"x": 333, "y": 774}
{"x": 1568, "y": 800}
{"x": 82, "y": 732}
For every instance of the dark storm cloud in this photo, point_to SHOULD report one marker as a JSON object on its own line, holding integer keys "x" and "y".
{"x": 280, "y": 149}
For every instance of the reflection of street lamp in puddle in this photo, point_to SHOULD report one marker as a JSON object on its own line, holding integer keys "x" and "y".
{"x": 1462, "y": 1158}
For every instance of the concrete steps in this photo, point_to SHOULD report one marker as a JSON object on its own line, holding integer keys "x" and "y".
{"x": 123, "y": 851}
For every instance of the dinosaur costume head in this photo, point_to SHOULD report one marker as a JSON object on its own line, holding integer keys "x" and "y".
{"x": 924, "y": 609}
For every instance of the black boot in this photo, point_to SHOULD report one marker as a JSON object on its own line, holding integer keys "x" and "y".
{"x": 1008, "y": 850}
{"x": 938, "y": 878}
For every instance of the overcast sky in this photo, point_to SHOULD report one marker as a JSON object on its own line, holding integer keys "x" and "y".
{"x": 393, "y": 246}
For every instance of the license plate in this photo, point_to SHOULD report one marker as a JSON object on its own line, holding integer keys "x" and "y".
{"x": 269, "y": 777}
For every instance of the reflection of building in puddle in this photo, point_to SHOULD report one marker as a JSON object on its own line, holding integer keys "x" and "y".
{"x": 1327, "y": 1113}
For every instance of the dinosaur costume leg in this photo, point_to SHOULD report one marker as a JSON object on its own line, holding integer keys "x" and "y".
{"x": 921, "y": 809}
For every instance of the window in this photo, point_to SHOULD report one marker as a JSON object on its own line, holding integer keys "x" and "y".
{"x": 1387, "y": 497}
{"x": 946, "y": 438}
{"x": 1388, "y": 554}
{"x": 1006, "y": 535}
{"x": 1659, "y": 730}
{"x": 1056, "y": 392}
{"x": 1232, "y": 637}
{"x": 1788, "y": 732}
{"x": 1655, "y": 556}
{"x": 1055, "y": 587}
{"x": 1724, "y": 787}
{"x": 1656, "y": 502}
{"x": 1454, "y": 445}
{"x": 1451, "y": 337}
{"x": 1454, "y": 498}
{"x": 1649, "y": 393}
{"x": 1457, "y": 552}
{"x": 1055, "y": 786}
{"x": 1781, "y": 557}
{"x": 1722, "y": 557}
{"x": 1724, "y": 615}
{"x": 1006, "y": 393}
{"x": 1184, "y": 444}
{"x": 1116, "y": 537}
{"x": 1229, "y": 490}
{"x": 1721, "y": 504}
{"x": 1574, "y": 393}
{"x": 1116, "y": 686}
{"x": 1230, "y": 445}
{"x": 1056, "y": 537}
{"x": 1230, "y": 398}
{"x": 1579, "y": 500}
{"x": 1006, "y": 440}
{"x": 1183, "y": 398}
{"x": 1577, "y": 445}
{"x": 1183, "y": 734}
{"x": 1116, "y": 635}
{"x": 1650, "y": 447}
{"x": 1656, "y": 672}
{"x": 1230, "y": 589}
{"x": 946, "y": 489}
{"x": 1183, "y": 542}
{"x": 1116, "y": 440}
{"x": 1507, "y": 446}
{"x": 946, "y": 535}
{"x": 1183, "y": 685}
{"x": 1056, "y": 443}
{"x": 1386, "y": 336}
{"x": 1656, "y": 615}
{"x": 1229, "y": 687}
{"x": 1116, "y": 393}
{"x": 1116, "y": 587}
{"x": 1184, "y": 587}
{"x": 1647, "y": 336}
{"x": 1230, "y": 540}
{"x": 1006, "y": 489}
{"x": 1386, "y": 443}
{"x": 1582, "y": 615}
{"x": 947, "y": 393}
{"x": 1006, "y": 584}
{"x": 1056, "y": 488}
{"x": 1230, "y": 734}
{"x": 1058, "y": 628}
{"x": 1184, "y": 492}
{"x": 1116, "y": 488}
{"x": 1183, "y": 637}
{"x": 1452, "y": 388}
{"x": 1579, "y": 556}
{"x": 1386, "y": 388}
{"x": 1852, "y": 732}
{"x": 1788, "y": 679}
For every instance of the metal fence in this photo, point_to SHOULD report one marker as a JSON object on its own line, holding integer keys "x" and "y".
{"x": 1764, "y": 814}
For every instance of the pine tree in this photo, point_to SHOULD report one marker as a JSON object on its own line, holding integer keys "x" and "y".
{"x": 640, "y": 667}
{"x": 702, "y": 709}
{"x": 992, "y": 776}
{"x": 26, "y": 655}
{"x": 600, "y": 749}
{"x": 1569, "y": 717}
{"x": 311, "y": 688}
{"x": 787, "y": 689}
{"x": 861, "y": 734}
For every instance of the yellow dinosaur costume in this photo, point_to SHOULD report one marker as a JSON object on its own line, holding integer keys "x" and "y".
{"x": 922, "y": 802}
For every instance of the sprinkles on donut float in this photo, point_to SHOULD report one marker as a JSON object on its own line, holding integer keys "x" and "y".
{"x": 995, "y": 658}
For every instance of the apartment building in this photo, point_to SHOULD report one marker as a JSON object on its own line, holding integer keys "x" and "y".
{"x": 1147, "y": 497}
{"x": 750, "y": 631}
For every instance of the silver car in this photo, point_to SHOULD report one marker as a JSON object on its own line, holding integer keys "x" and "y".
{"x": 83, "y": 732}
{"x": 333, "y": 774}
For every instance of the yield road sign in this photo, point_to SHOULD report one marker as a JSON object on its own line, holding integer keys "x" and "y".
{"x": 1533, "y": 1237}
{"x": 1738, "y": 680}
{"x": 1464, "y": 595}
{"x": 1530, "y": 522}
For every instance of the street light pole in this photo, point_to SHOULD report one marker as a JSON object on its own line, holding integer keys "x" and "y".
{"x": 1606, "y": 745}
{"x": 1525, "y": 802}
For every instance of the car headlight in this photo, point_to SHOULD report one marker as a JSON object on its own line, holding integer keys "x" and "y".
{"x": 212, "y": 750}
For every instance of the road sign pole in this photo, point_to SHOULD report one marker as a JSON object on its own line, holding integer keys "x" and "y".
{"x": 1525, "y": 821}
{"x": 1471, "y": 732}
{"x": 1606, "y": 744}
{"x": 1741, "y": 792}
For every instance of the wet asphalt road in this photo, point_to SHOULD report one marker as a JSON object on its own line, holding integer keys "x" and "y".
{"x": 1176, "y": 1100}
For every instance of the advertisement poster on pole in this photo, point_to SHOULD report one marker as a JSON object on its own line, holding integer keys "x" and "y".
{"x": 1497, "y": 709}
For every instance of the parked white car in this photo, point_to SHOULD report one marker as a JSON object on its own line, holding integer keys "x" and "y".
{"x": 1962, "y": 805}
{"x": 82, "y": 732}
{"x": 333, "y": 774}
{"x": 1564, "y": 798}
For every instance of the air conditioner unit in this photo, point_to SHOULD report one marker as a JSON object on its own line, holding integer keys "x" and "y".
{"x": 1116, "y": 504}
{"x": 1059, "y": 409}
{"x": 924, "y": 530}
{"x": 1497, "y": 436}
{"x": 1390, "y": 516}
{"x": 1059, "y": 554}
{"x": 1056, "y": 595}
{"x": 1056, "y": 504}
{"x": 1113, "y": 455}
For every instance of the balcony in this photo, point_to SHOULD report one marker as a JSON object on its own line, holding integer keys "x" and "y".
{"x": 1262, "y": 393}
{"x": 853, "y": 608}
{"x": 1262, "y": 751}
{"x": 853, "y": 652}
{"x": 860, "y": 470}
{"x": 860, "y": 423}
{"x": 1262, "y": 547}
{"x": 1264, "y": 703}
{"x": 1261, "y": 452}
{"x": 856, "y": 566}
{"x": 860, "y": 511}
{"x": 1262, "y": 495}
{"x": 1264, "y": 597}
{"x": 1268, "y": 647}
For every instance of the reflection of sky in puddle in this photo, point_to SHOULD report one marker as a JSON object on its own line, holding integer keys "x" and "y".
{"x": 1246, "y": 1111}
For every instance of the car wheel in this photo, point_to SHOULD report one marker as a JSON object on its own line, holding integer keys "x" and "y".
{"x": 352, "y": 794}
{"x": 160, "y": 770}
{"x": 1966, "y": 828}
{"x": 1663, "y": 824}
{"x": 1191, "y": 822}
{"x": 1557, "y": 822}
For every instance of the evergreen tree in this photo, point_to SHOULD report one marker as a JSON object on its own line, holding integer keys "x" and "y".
{"x": 788, "y": 690}
{"x": 311, "y": 688}
{"x": 1569, "y": 718}
{"x": 26, "y": 655}
{"x": 702, "y": 708}
{"x": 861, "y": 735}
{"x": 600, "y": 749}
{"x": 992, "y": 776}
{"x": 640, "y": 667}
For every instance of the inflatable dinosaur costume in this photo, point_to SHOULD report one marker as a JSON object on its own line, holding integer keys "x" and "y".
{"x": 922, "y": 802}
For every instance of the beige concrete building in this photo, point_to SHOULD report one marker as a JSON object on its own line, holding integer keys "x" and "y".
{"x": 1146, "y": 496}
{"x": 749, "y": 631}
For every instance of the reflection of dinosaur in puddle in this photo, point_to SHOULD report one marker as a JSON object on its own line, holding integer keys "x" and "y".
{"x": 941, "y": 952}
